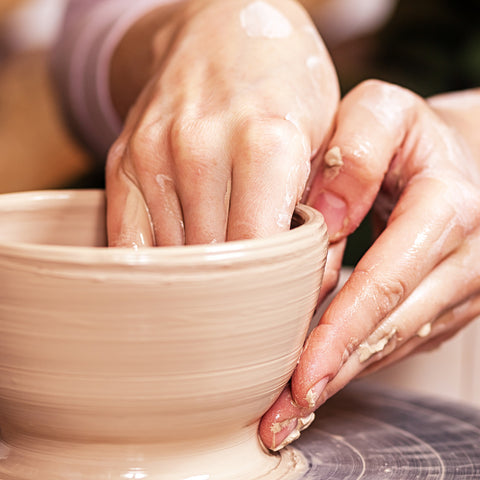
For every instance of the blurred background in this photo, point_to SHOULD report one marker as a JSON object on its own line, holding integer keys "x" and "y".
{"x": 429, "y": 46}
{"x": 36, "y": 148}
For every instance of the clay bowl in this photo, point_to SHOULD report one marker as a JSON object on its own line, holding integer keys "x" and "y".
{"x": 148, "y": 364}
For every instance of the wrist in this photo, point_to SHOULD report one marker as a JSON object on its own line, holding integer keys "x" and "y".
{"x": 133, "y": 58}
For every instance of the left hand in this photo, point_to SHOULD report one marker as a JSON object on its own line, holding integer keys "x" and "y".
{"x": 218, "y": 143}
{"x": 419, "y": 282}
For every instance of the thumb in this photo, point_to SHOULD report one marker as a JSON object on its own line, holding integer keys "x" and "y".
{"x": 371, "y": 123}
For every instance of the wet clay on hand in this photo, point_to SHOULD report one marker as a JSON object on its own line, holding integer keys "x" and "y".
{"x": 152, "y": 363}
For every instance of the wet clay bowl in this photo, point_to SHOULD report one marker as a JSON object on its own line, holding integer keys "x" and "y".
{"x": 147, "y": 364}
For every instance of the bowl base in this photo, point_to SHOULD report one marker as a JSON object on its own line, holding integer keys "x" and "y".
{"x": 27, "y": 458}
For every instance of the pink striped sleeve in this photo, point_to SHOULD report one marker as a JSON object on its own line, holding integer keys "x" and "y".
{"x": 81, "y": 62}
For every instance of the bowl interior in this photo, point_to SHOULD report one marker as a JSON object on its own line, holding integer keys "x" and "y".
{"x": 54, "y": 218}
{"x": 59, "y": 218}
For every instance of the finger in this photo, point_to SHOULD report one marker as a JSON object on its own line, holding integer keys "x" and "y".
{"x": 269, "y": 172}
{"x": 147, "y": 158}
{"x": 128, "y": 219}
{"x": 383, "y": 331}
{"x": 445, "y": 301}
{"x": 447, "y": 285}
{"x": 202, "y": 170}
{"x": 443, "y": 329}
{"x": 371, "y": 123}
{"x": 285, "y": 420}
{"x": 333, "y": 267}
{"x": 164, "y": 206}
{"x": 450, "y": 323}
{"x": 142, "y": 154}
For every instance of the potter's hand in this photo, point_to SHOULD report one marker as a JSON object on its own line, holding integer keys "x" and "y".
{"x": 218, "y": 144}
{"x": 420, "y": 281}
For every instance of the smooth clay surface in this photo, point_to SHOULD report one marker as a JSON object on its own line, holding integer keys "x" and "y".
{"x": 148, "y": 364}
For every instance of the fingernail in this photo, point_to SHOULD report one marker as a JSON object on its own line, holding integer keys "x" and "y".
{"x": 334, "y": 210}
{"x": 315, "y": 392}
{"x": 291, "y": 431}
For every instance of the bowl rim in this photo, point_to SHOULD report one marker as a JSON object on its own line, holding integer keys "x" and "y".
{"x": 313, "y": 229}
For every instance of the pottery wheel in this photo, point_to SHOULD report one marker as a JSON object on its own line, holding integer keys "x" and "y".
{"x": 371, "y": 433}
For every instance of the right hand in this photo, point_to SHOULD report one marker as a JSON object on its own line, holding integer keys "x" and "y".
{"x": 417, "y": 163}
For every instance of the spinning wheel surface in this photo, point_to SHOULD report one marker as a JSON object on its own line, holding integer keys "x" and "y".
{"x": 369, "y": 433}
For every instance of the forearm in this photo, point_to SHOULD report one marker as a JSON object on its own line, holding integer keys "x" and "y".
{"x": 461, "y": 110}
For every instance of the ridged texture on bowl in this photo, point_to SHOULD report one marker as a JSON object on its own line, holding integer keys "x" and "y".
{"x": 155, "y": 345}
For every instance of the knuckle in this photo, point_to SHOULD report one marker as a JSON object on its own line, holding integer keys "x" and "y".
{"x": 115, "y": 156}
{"x": 388, "y": 294}
{"x": 119, "y": 168}
{"x": 381, "y": 293}
{"x": 183, "y": 132}
{"x": 116, "y": 150}
{"x": 191, "y": 139}
{"x": 192, "y": 143}
{"x": 188, "y": 135}
{"x": 269, "y": 137}
{"x": 143, "y": 143}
